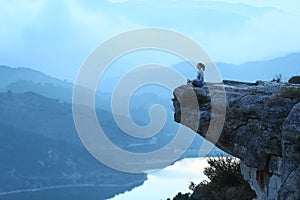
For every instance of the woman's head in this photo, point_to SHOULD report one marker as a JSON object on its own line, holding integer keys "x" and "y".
{"x": 201, "y": 66}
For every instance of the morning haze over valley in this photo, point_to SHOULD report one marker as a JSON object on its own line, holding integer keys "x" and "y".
{"x": 95, "y": 102}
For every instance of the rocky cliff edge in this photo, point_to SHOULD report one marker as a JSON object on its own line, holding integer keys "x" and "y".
{"x": 260, "y": 125}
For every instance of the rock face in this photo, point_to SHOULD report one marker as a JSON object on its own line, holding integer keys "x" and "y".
{"x": 261, "y": 127}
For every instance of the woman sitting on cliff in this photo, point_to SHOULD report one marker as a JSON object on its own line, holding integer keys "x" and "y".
{"x": 199, "y": 81}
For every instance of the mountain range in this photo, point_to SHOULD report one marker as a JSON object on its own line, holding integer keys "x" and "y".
{"x": 39, "y": 149}
{"x": 265, "y": 70}
{"x": 39, "y": 145}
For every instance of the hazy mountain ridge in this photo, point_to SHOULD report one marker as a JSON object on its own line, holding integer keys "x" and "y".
{"x": 44, "y": 127}
{"x": 262, "y": 70}
{"x": 25, "y": 79}
{"x": 265, "y": 70}
{"x": 10, "y": 75}
{"x": 31, "y": 105}
{"x": 52, "y": 119}
{"x": 33, "y": 161}
{"x": 40, "y": 148}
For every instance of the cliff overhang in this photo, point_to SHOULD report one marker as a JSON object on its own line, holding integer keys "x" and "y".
{"x": 261, "y": 126}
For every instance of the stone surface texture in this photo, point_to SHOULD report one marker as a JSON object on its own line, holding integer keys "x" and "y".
{"x": 261, "y": 127}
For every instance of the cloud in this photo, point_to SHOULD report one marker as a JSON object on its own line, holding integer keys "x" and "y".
{"x": 62, "y": 33}
{"x": 14, "y": 17}
{"x": 117, "y": 1}
{"x": 101, "y": 23}
{"x": 260, "y": 37}
{"x": 290, "y": 6}
{"x": 55, "y": 36}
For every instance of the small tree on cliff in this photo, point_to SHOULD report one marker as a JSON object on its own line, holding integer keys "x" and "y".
{"x": 226, "y": 181}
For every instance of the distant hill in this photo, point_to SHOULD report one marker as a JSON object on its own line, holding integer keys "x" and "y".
{"x": 20, "y": 80}
{"x": 266, "y": 70}
{"x": 39, "y": 147}
{"x": 39, "y": 132}
{"x": 45, "y": 89}
{"x": 35, "y": 113}
{"x": 31, "y": 161}
{"x": 288, "y": 66}
{"x": 52, "y": 119}
{"x": 9, "y": 75}
{"x": 25, "y": 80}
{"x": 34, "y": 102}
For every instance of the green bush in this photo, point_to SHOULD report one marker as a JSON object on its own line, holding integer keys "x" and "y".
{"x": 295, "y": 80}
{"x": 291, "y": 93}
{"x": 225, "y": 182}
{"x": 181, "y": 196}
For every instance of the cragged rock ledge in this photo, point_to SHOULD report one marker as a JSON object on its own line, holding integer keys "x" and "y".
{"x": 262, "y": 128}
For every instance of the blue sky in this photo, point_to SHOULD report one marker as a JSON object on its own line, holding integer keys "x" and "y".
{"x": 56, "y": 36}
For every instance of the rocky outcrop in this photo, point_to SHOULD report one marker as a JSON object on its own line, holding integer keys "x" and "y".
{"x": 261, "y": 127}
